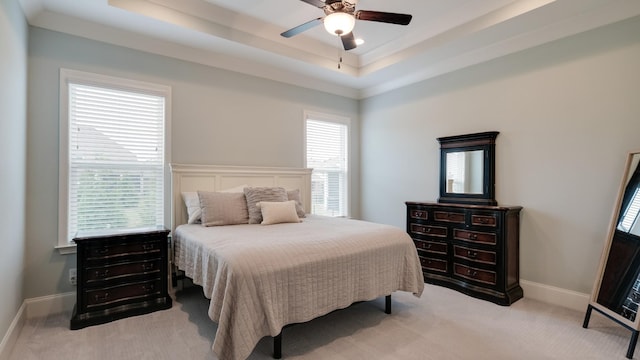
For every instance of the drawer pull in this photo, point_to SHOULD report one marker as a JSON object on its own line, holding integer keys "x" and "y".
{"x": 473, "y": 236}
{"x": 147, "y": 267}
{"x": 148, "y": 287}
{"x": 148, "y": 246}
{"x": 102, "y": 297}
{"x": 426, "y": 230}
{"x": 102, "y": 274}
{"x": 103, "y": 251}
{"x": 472, "y": 273}
{"x": 472, "y": 254}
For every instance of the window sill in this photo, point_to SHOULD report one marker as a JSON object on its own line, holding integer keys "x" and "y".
{"x": 66, "y": 249}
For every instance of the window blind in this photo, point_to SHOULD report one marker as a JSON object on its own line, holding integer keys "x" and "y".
{"x": 327, "y": 155}
{"x": 630, "y": 218}
{"x": 116, "y": 159}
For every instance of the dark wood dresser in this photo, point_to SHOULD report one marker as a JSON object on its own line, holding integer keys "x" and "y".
{"x": 120, "y": 274}
{"x": 470, "y": 248}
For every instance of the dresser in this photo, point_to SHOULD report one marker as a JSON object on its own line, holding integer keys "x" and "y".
{"x": 473, "y": 249}
{"x": 120, "y": 274}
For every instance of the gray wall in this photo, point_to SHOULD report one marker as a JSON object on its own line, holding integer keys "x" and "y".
{"x": 568, "y": 113}
{"x": 13, "y": 148}
{"x": 218, "y": 117}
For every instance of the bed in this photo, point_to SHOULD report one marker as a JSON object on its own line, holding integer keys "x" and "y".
{"x": 260, "y": 278}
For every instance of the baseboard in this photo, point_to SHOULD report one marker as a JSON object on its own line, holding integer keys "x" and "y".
{"x": 31, "y": 308}
{"x": 555, "y": 295}
{"x": 50, "y": 304}
{"x": 11, "y": 336}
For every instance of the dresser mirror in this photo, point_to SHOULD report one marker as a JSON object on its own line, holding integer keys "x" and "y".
{"x": 616, "y": 293}
{"x": 467, "y": 168}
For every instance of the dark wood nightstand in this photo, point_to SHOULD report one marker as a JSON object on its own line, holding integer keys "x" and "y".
{"x": 120, "y": 274}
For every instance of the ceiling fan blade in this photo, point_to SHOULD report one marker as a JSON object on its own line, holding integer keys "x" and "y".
{"x": 316, "y": 3}
{"x": 385, "y": 17}
{"x": 300, "y": 28}
{"x": 348, "y": 41}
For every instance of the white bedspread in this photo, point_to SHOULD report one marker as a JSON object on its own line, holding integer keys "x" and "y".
{"x": 260, "y": 278}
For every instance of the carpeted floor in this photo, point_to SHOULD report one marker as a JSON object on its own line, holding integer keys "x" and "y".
{"x": 442, "y": 324}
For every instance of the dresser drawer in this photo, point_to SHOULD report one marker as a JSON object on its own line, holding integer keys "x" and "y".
{"x": 431, "y": 246}
{"x": 484, "y": 220}
{"x": 449, "y": 216}
{"x": 433, "y": 264}
{"x": 437, "y": 231}
{"x": 103, "y": 251}
{"x": 105, "y": 296}
{"x": 418, "y": 214}
{"x": 471, "y": 273}
{"x": 475, "y": 236}
{"x": 111, "y": 272}
{"x": 481, "y": 256}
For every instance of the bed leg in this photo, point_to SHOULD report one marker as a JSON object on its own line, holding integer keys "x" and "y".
{"x": 277, "y": 346}
{"x": 387, "y": 304}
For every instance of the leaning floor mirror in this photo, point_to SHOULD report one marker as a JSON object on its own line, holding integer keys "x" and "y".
{"x": 616, "y": 293}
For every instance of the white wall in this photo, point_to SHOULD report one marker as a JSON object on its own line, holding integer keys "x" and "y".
{"x": 567, "y": 113}
{"x": 13, "y": 142}
{"x": 218, "y": 117}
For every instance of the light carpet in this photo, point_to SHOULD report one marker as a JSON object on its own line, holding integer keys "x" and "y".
{"x": 442, "y": 324}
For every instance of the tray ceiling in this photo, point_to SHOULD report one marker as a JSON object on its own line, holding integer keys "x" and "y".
{"x": 244, "y": 35}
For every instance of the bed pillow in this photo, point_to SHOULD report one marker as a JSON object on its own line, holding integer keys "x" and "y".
{"x": 192, "y": 202}
{"x": 295, "y": 195}
{"x": 223, "y": 208}
{"x": 278, "y": 212}
{"x": 255, "y": 195}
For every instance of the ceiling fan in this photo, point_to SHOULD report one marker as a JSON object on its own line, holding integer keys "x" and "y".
{"x": 340, "y": 17}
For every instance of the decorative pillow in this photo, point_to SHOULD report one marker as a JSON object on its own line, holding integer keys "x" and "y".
{"x": 278, "y": 212}
{"x": 295, "y": 195}
{"x": 223, "y": 208}
{"x": 257, "y": 194}
{"x": 192, "y": 202}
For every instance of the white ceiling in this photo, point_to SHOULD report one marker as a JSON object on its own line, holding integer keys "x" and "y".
{"x": 244, "y": 35}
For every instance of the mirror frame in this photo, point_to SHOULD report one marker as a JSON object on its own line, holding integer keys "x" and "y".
{"x": 485, "y": 141}
{"x": 634, "y": 326}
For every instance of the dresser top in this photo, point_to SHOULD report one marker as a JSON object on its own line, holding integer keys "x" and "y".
{"x": 111, "y": 233}
{"x": 466, "y": 206}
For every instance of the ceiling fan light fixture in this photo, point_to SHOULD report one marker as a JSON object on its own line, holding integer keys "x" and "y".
{"x": 339, "y": 23}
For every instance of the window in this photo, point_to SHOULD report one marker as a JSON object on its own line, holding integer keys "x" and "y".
{"x": 630, "y": 218}
{"x": 112, "y": 154}
{"x": 327, "y": 153}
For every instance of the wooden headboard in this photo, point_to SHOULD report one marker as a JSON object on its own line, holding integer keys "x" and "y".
{"x": 189, "y": 177}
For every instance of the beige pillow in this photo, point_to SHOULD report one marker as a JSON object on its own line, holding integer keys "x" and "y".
{"x": 295, "y": 195}
{"x": 192, "y": 202}
{"x": 278, "y": 212}
{"x": 257, "y": 194}
{"x": 222, "y": 208}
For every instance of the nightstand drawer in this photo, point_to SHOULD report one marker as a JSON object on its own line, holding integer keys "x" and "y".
{"x": 471, "y": 273}
{"x": 123, "y": 249}
{"x": 480, "y": 256}
{"x": 129, "y": 269}
{"x": 122, "y": 293}
{"x": 475, "y": 236}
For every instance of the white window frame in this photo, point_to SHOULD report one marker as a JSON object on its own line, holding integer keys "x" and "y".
{"x": 332, "y": 118}
{"x": 67, "y": 76}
